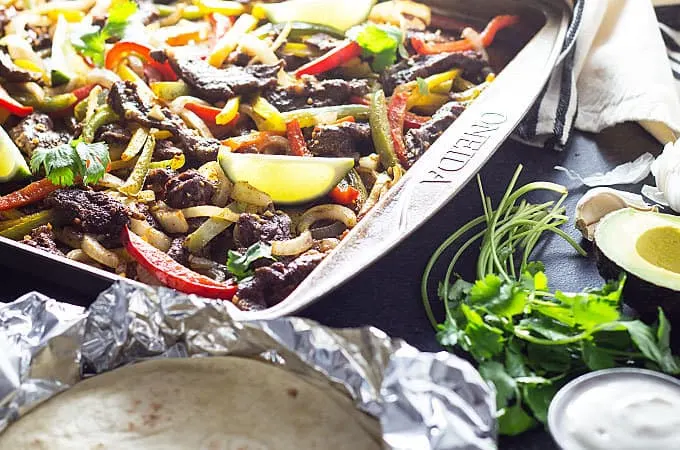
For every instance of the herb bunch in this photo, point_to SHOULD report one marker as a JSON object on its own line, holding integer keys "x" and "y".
{"x": 527, "y": 340}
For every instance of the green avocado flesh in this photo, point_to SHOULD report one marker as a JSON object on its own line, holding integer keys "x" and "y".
{"x": 646, "y": 245}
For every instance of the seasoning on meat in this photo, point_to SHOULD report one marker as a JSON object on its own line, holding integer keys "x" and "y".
{"x": 113, "y": 134}
{"x": 252, "y": 228}
{"x": 316, "y": 93}
{"x": 472, "y": 63}
{"x": 179, "y": 252}
{"x": 43, "y": 238}
{"x": 165, "y": 150}
{"x": 36, "y": 131}
{"x": 188, "y": 189}
{"x": 90, "y": 211}
{"x": 419, "y": 140}
{"x": 125, "y": 100}
{"x": 156, "y": 180}
{"x": 346, "y": 139}
{"x": 216, "y": 84}
{"x": 271, "y": 284}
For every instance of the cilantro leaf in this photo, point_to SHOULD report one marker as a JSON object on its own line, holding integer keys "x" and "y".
{"x": 62, "y": 164}
{"x": 514, "y": 421}
{"x": 95, "y": 158}
{"x": 538, "y": 397}
{"x": 93, "y": 43}
{"x": 239, "y": 264}
{"x": 645, "y": 340}
{"x": 381, "y": 42}
{"x": 482, "y": 340}
{"x": 505, "y": 385}
{"x": 596, "y": 358}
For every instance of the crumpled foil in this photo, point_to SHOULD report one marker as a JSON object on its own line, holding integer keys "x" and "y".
{"x": 421, "y": 400}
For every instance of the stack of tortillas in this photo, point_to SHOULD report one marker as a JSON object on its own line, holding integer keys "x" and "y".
{"x": 220, "y": 403}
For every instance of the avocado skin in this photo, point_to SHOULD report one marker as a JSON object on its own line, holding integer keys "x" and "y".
{"x": 641, "y": 295}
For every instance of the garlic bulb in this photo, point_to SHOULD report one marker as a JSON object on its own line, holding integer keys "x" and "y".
{"x": 666, "y": 171}
{"x": 600, "y": 201}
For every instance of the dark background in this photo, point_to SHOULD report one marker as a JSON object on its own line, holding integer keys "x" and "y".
{"x": 387, "y": 295}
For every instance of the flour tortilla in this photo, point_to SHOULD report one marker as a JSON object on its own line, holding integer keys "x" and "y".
{"x": 220, "y": 403}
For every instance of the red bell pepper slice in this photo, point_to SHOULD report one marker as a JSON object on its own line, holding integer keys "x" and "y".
{"x": 396, "y": 114}
{"x": 123, "y": 49}
{"x": 171, "y": 273}
{"x": 345, "y": 195}
{"x": 298, "y": 145}
{"x": 13, "y": 106}
{"x": 356, "y": 100}
{"x": 336, "y": 57}
{"x": 82, "y": 92}
{"x": 206, "y": 113}
{"x": 32, "y": 193}
{"x": 494, "y": 26}
{"x": 412, "y": 120}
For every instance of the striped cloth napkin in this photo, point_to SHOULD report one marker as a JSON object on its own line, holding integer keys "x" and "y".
{"x": 620, "y": 63}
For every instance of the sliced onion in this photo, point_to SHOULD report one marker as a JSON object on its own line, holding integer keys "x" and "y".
{"x": 214, "y": 173}
{"x": 70, "y": 237}
{"x": 153, "y": 236}
{"x": 171, "y": 220}
{"x": 476, "y": 40}
{"x": 211, "y": 211}
{"x": 371, "y": 161}
{"x": 295, "y": 246}
{"x": 96, "y": 251}
{"x": 80, "y": 256}
{"x": 282, "y": 37}
{"x": 381, "y": 185}
{"x": 208, "y": 230}
{"x": 258, "y": 49}
{"x": 147, "y": 277}
{"x": 110, "y": 181}
{"x": 332, "y": 212}
{"x": 195, "y": 122}
{"x": 244, "y": 192}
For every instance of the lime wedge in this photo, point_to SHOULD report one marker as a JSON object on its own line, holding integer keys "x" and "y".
{"x": 340, "y": 14}
{"x": 12, "y": 163}
{"x": 286, "y": 179}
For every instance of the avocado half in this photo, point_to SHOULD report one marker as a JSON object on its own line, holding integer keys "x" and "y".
{"x": 646, "y": 245}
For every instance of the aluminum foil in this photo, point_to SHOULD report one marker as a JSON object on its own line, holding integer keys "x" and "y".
{"x": 421, "y": 400}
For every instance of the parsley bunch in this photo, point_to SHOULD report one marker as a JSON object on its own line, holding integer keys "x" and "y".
{"x": 527, "y": 340}
{"x": 93, "y": 43}
{"x": 65, "y": 163}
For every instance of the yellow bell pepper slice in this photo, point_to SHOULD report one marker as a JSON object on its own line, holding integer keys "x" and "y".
{"x": 272, "y": 120}
{"x": 228, "y": 8}
{"x": 229, "y": 111}
{"x": 70, "y": 15}
{"x": 231, "y": 38}
{"x": 127, "y": 74}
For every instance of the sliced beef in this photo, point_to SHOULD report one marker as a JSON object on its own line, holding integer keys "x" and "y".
{"x": 419, "y": 140}
{"x": 345, "y": 139}
{"x": 125, "y": 101}
{"x": 472, "y": 63}
{"x": 316, "y": 93}
{"x": 271, "y": 284}
{"x": 215, "y": 84}
{"x": 36, "y": 131}
{"x": 113, "y": 133}
{"x": 90, "y": 211}
{"x": 156, "y": 180}
{"x": 165, "y": 149}
{"x": 13, "y": 73}
{"x": 179, "y": 252}
{"x": 188, "y": 189}
{"x": 43, "y": 238}
{"x": 252, "y": 228}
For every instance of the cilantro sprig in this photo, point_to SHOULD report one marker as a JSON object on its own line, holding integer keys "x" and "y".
{"x": 526, "y": 339}
{"x": 93, "y": 43}
{"x": 382, "y": 43}
{"x": 239, "y": 264}
{"x": 67, "y": 162}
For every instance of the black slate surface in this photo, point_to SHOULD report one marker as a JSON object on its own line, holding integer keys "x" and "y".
{"x": 387, "y": 294}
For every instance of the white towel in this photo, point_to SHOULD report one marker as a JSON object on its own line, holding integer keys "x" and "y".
{"x": 619, "y": 64}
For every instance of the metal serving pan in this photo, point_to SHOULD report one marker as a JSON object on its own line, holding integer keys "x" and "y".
{"x": 436, "y": 178}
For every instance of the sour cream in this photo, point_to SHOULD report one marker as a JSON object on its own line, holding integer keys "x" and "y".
{"x": 617, "y": 409}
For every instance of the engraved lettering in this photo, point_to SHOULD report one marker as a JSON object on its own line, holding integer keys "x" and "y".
{"x": 465, "y": 147}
